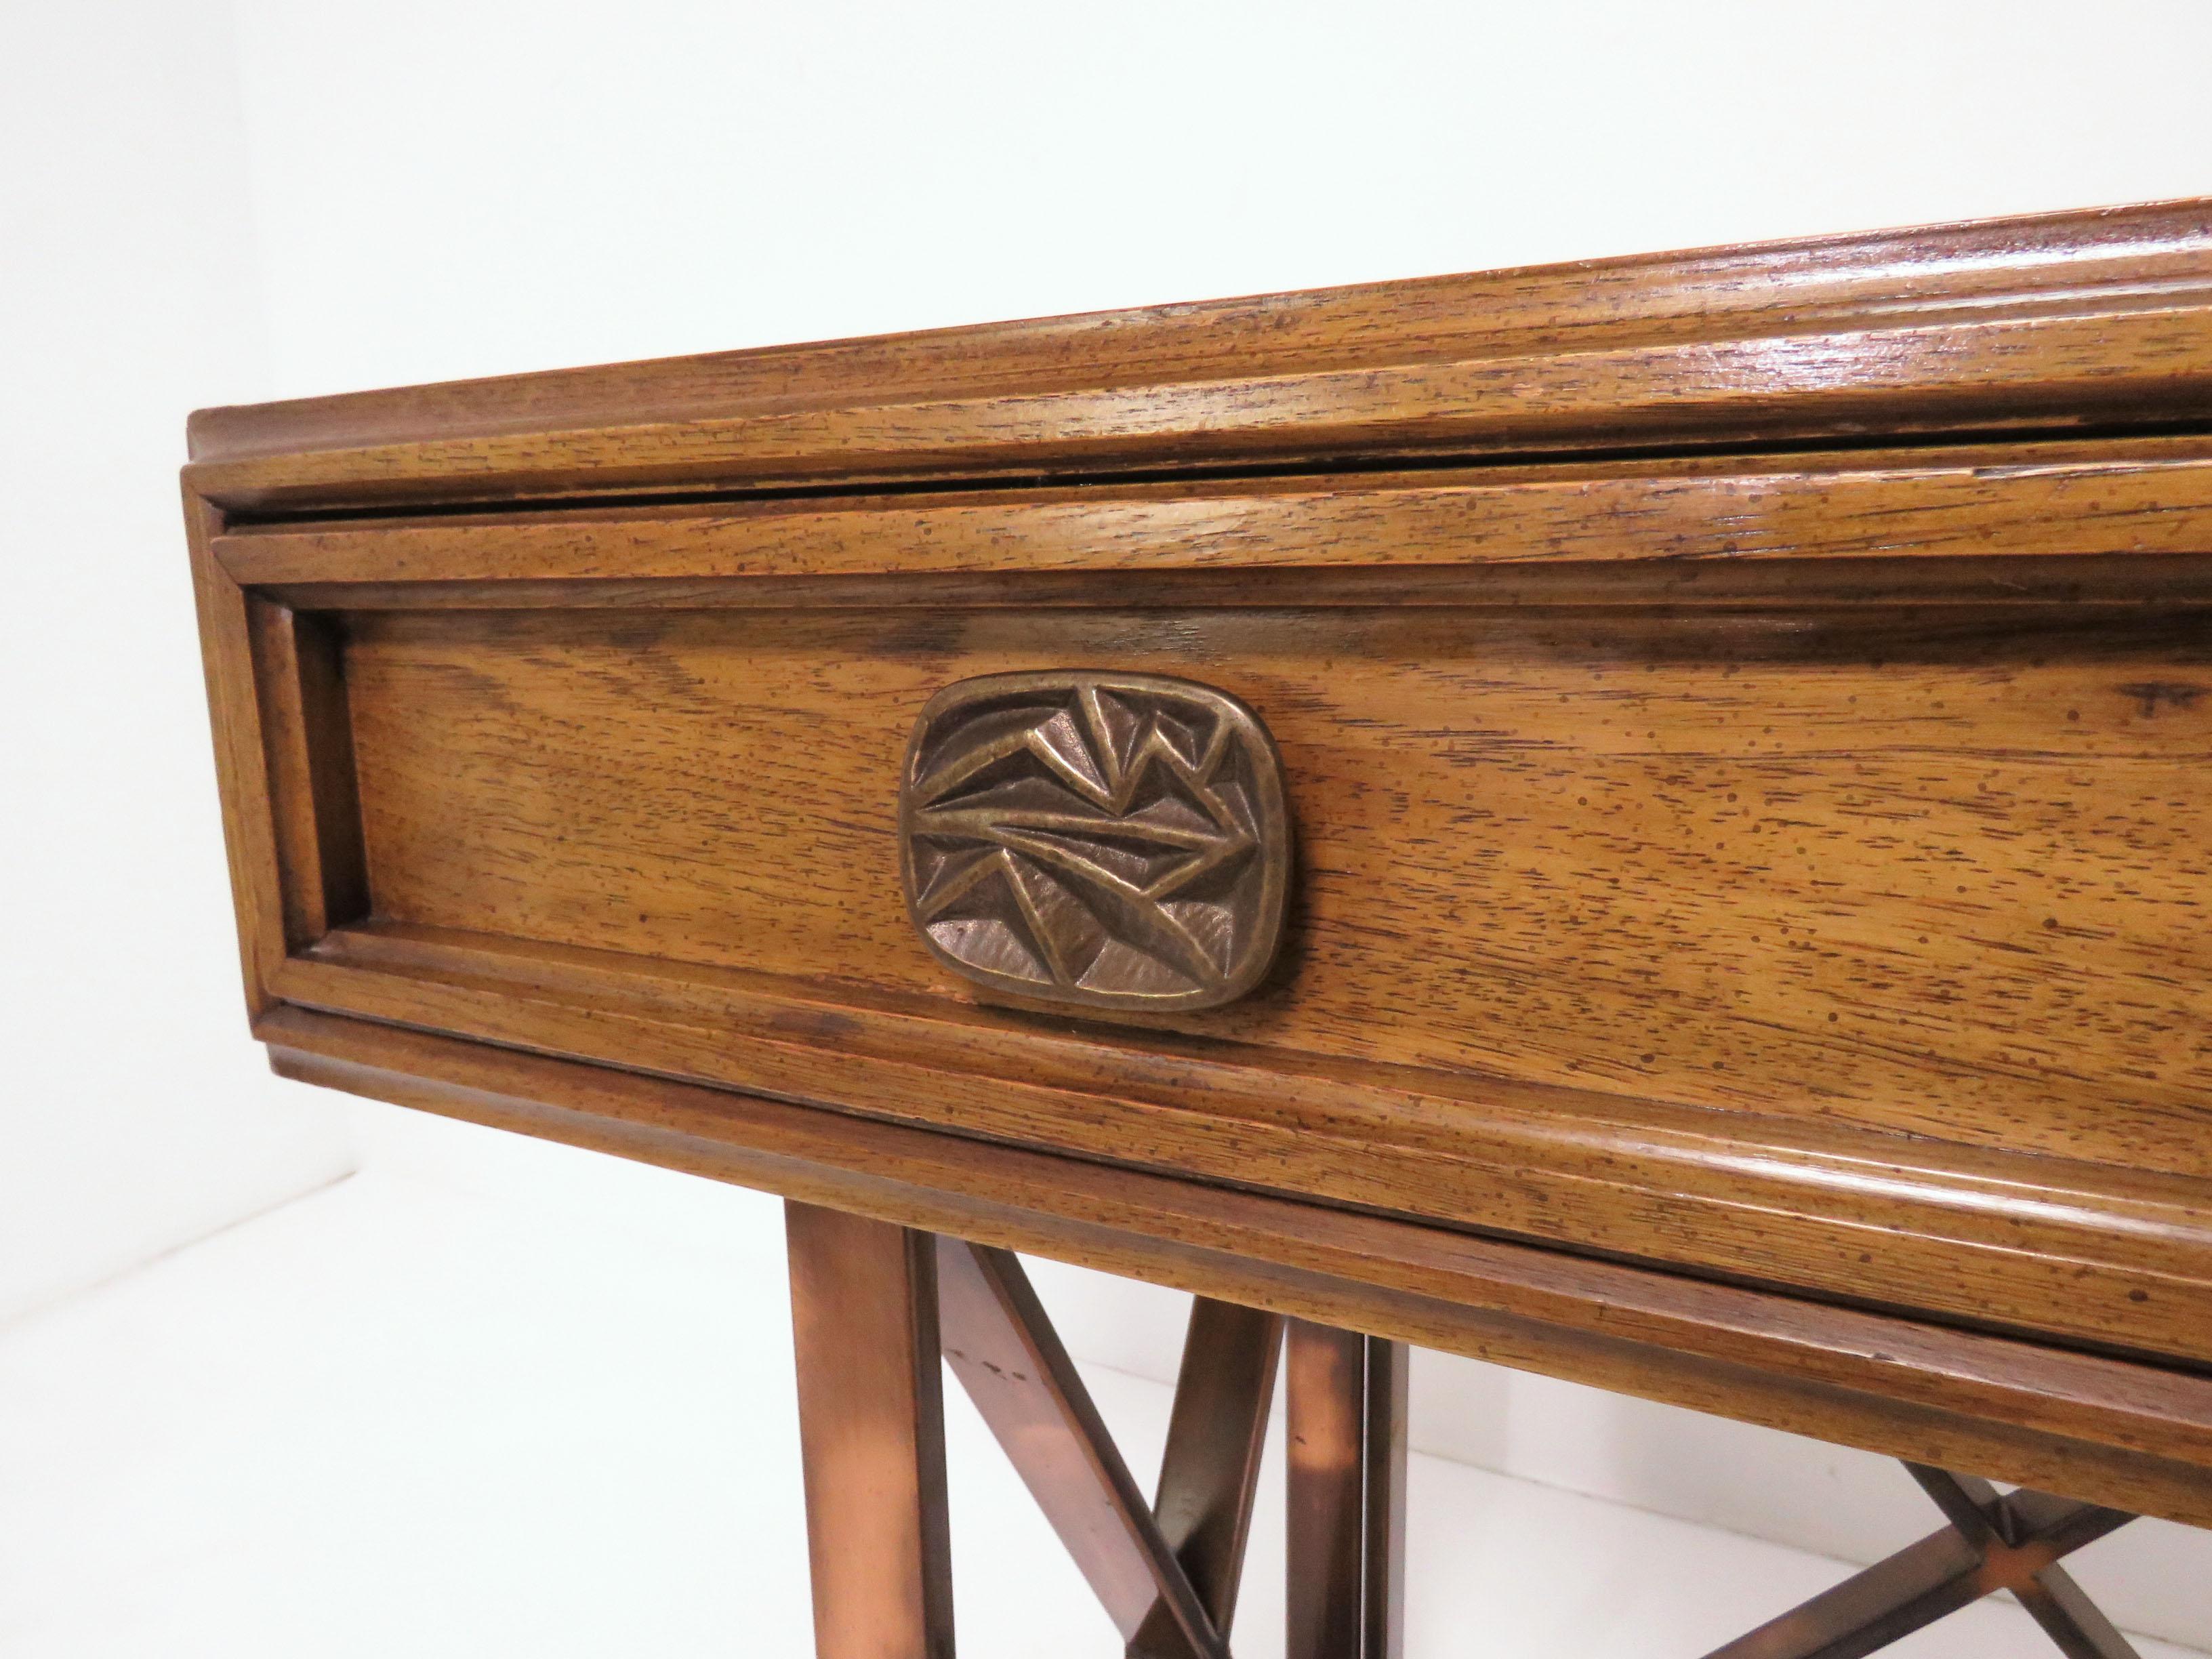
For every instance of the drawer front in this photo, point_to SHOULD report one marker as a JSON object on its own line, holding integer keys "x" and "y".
{"x": 1788, "y": 872}
{"x": 1933, "y": 882}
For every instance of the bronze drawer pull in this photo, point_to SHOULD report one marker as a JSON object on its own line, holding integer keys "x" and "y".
{"x": 1118, "y": 840}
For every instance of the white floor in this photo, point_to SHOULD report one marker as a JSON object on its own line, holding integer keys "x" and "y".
{"x": 407, "y": 1416}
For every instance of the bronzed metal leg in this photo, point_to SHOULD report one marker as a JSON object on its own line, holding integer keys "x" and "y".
{"x": 2052, "y": 1597}
{"x": 1003, "y": 1349}
{"x": 1210, "y": 1472}
{"x": 1346, "y": 1402}
{"x": 872, "y": 1430}
{"x": 1995, "y": 1542}
{"x": 2071, "y": 1620}
{"x": 867, "y": 1302}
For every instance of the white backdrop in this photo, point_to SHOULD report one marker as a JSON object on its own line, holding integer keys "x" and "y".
{"x": 133, "y": 1116}
{"x": 202, "y": 203}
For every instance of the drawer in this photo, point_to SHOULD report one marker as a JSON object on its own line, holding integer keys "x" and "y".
{"x": 1785, "y": 871}
{"x": 1637, "y": 820}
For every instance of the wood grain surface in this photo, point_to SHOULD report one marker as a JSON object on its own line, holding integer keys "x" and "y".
{"x": 2077, "y": 1251}
{"x": 2021, "y": 266}
{"x": 1932, "y": 874}
{"x": 1781, "y": 930}
{"x": 2135, "y": 1436}
{"x": 2067, "y": 320}
{"x": 1527, "y": 531}
{"x": 1743, "y": 716}
{"x": 243, "y": 767}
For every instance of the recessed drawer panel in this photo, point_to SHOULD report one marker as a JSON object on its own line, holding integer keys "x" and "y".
{"x": 1760, "y": 868}
{"x": 1937, "y": 874}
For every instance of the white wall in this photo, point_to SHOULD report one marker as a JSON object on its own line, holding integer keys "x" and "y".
{"x": 450, "y": 187}
{"x": 134, "y": 1116}
{"x": 474, "y": 186}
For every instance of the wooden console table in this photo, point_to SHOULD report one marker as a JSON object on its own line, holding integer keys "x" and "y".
{"x": 1642, "y": 821}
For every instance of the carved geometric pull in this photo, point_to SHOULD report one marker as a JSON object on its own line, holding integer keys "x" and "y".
{"x": 1118, "y": 840}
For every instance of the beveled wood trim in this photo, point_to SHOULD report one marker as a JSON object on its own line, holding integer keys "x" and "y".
{"x": 1694, "y": 532}
{"x": 872, "y": 1434}
{"x": 2130, "y": 1435}
{"x": 2091, "y": 319}
{"x": 1989, "y": 591}
{"x": 2028, "y": 374}
{"x": 1910, "y": 1221}
{"x": 1833, "y": 282}
{"x": 308, "y": 740}
{"x": 241, "y": 769}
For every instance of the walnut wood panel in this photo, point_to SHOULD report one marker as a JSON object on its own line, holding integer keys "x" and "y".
{"x": 713, "y": 865}
{"x": 2067, "y": 1248}
{"x": 2019, "y": 264}
{"x": 307, "y": 739}
{"x": 1522, "y": 532}
{"x": 1935, "y": 874}
{"x": 1743, "y": 717}
{"x": 2133, "y": 1436}
{"x": 2067, "y": 320}
{"x": 242, "y": 773}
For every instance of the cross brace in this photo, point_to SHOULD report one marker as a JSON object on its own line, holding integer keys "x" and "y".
{"x": 875, "y": 1306}
{"x": 1994, "y": 1542}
